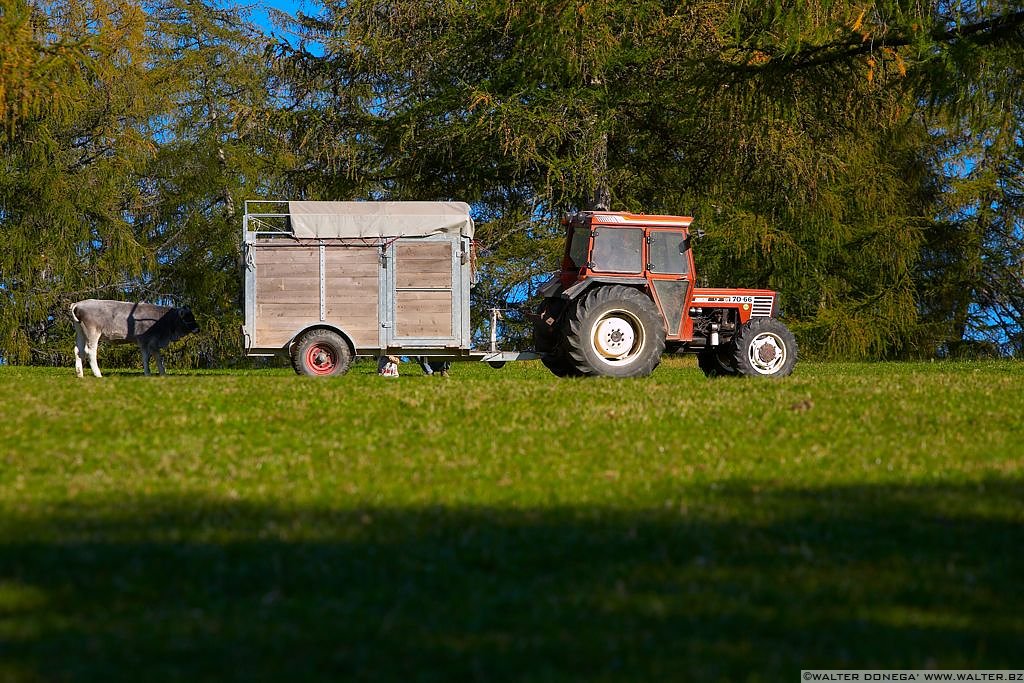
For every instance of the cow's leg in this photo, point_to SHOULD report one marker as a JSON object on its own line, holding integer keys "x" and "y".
{"x": 79, "y": 349}
{"x": 92, "y": 343}
{"x": 145, "y": 358}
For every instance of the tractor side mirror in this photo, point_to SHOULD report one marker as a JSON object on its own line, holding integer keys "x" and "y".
{"x": 684, "y": 246}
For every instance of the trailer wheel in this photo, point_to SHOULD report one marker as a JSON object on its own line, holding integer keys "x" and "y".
{"x": 717, "y": 361}
{"x": 321, "y": 353}
{"x": 614, "y": 331}
{"x": 764, "y": 348}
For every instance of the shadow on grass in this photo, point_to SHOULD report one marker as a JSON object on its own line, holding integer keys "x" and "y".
{"x": 738, "y": 584}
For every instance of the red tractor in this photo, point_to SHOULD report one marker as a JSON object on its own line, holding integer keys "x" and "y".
{"x": 626, "y": 294}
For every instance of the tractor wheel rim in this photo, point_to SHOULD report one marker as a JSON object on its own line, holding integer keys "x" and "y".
{"x": 321, "y": 359}
{"x": 767, "y": 353}
{"x": 618, "y": 337}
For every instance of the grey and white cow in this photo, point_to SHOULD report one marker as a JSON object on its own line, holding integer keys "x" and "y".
{"x": 151, "y": 327}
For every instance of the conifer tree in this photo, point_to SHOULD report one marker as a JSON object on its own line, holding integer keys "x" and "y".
{"x": 802, "y": 135}
{"x": 215, "y": 151}
{"x": 74, "y": 93}
{"x": 132, "y": 133}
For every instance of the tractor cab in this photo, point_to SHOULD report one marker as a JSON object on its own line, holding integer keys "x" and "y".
{"x": 633, "y": 245}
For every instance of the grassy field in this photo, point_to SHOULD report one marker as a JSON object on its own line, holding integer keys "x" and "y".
{"x": 506, "y": 525}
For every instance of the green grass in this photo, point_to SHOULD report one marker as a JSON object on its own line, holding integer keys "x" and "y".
{"x": 507, "y": 525}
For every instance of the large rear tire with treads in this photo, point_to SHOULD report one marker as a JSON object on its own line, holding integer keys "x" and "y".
{"x": 614, "y": 331}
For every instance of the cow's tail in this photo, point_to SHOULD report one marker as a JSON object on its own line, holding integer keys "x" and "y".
{"x": 72, "y": 311}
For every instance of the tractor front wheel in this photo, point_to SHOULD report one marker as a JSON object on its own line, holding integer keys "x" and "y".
{"x": 764, "y": 347}
{"x": 321, "y": 353}
{"x": 614, "y": 331}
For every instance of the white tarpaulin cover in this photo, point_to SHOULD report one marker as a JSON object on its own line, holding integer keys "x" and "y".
{"x": 379, "y": 219}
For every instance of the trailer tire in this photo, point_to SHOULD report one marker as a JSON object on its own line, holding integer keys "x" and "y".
{"x": 321, "y": 353}
{"x": 614, "y": 331}
{"x": 764, "y": 348}
{"x": 717, "y": 361}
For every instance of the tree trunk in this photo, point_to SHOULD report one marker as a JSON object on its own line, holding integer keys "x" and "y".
{"x": 602, "y": 198}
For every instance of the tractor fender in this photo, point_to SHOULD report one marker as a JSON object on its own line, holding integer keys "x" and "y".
{"x": 551, "y": 287}
{"x": 583, "y": 285}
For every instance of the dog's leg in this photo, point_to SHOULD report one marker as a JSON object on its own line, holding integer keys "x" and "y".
{"x": 160, "y": 362}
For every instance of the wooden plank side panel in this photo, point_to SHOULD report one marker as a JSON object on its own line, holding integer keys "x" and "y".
{"x": 428, "y": 330}
{"x": 434, "y": 265}
{"x": 277, "y": 337}
{"x": 294, "y": 323}
{"x": 351, "y": 269}
{"x": 350, "y": 312}
{"x": 266, "y": 338}
{"x": 433, "y": 308}
{"x": 288, "y": 292}
{"x": 433, "y": 280}
{"x": 419, "y": 316}
{"x": 425, "y": 296}
{"x": 334, "y": 311}
{"x": 267, "y": 312}
{"x": 309, "y": 287}
{"x": 351, "y": 261}
{"x": 423, "y": 250}
{"x": 287, "y": 255}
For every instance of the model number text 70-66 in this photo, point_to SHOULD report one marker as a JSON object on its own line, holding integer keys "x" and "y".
{"x": 742, "y": 299}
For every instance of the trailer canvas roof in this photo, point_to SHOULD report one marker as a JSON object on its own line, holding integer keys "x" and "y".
{"x": 379, "y": 219}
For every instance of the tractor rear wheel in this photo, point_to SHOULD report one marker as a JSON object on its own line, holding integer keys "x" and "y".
{"x": 559, "y": 364}
{"x": 548, "y": 339}
{"x": 321, "y": 353}
{"x": 614, "y": 331}
{"x": 545, "y": 335}
{"x": 764, "y": 348}
{"x": 716, "y": 361}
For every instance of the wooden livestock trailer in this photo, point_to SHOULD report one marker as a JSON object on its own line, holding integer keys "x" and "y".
{"x": 327, "y": 281}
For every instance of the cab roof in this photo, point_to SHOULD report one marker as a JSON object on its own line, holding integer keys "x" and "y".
{"x": 625, "y": 218}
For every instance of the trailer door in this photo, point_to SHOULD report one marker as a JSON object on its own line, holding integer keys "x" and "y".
{"x": 425, "y": 285}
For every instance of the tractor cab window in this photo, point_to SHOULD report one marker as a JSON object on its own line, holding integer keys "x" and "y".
{"x": 666, "y": 253}
{"x": 617, "y": 250}
{"x": 579, "y": 245}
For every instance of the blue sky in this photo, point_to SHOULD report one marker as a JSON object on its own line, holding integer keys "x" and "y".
{"x": 259, "y": 9}
{"x": 258, "y": 12}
